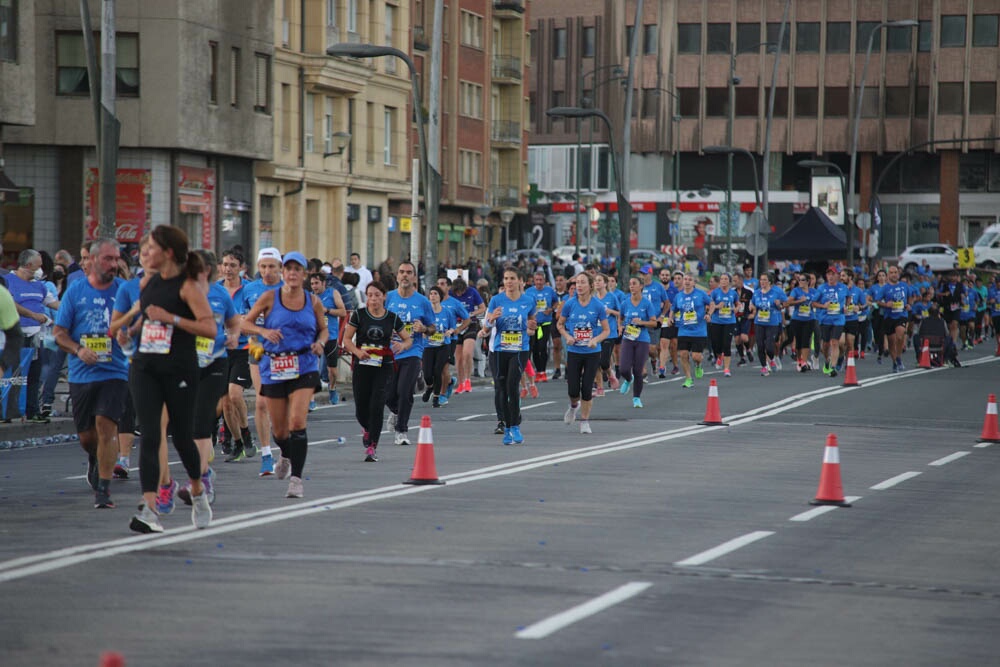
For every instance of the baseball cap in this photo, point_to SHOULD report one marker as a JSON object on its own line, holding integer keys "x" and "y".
{"x": 269, "y": 253}
{"x": 326, "y": 269}
{"x": 647, "y": 268}
{"x": 295, "y": 256}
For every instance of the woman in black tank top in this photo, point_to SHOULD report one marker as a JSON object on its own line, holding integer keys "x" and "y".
{"x": 165, "y": 369}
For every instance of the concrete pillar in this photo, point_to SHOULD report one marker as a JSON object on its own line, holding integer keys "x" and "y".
{"x": 948, "y": 231}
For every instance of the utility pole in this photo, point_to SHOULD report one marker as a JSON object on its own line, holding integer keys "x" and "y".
{"x": 107, "y": 125}
{"x": 765, "y": 182}
{"x": 625, "y": 216}
{"x": 432, "y": 185}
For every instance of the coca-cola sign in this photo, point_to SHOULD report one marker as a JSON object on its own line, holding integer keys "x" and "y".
{"x": 133, "y": 209}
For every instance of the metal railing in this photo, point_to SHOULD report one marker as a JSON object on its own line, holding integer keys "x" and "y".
{"x": 504, "y": 196}
{"x": 507, "y": 131}
{"x": 507, "y": 67}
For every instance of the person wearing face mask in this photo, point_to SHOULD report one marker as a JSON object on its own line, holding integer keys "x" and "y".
{"x": 31, "y": 299}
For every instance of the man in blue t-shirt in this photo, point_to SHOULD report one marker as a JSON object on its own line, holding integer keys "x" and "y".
{"x": 414, "y": 309}
{"x": 98, "y": 372}
{"x": 830, "y": 302}
{"x": 544, "y": 298}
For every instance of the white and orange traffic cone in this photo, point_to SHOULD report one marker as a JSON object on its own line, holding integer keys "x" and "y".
{"x": 991, "y": 433}
{"x": 925, "y": 356}
{"x": 851, "y": 374}
{"x": 831, "y": 490}
{"x": 713, "y": 415}
{"x": 424, "y": 470}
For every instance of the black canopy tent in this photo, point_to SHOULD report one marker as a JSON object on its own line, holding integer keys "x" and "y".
{"x": 813, "y": 237}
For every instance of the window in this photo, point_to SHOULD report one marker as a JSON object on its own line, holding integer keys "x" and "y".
{"x": 982, "y": 98}
{"x": 286, "y": 22}
{"x": 921, "y": 102}
{"x": 690, "y": 102}
{"x": 717, "y": 38}
{"x": 471, "y": 103}
{"x": 835, "y": 102}
{"x": 213, "y": 72}
{"x": 309, "y": 123}
{"x": 390, "y": 30}
{"x": 649, "y": 41}
{"x": 925, "y": 36}
{"x": 868, "y": 29}
{"x": 559, "y": 43}
{"x": 984, "y": 30}
{"x": 972, "y": 176}
{"x": 807, "y": 37}
{"x": 780, "y": 101}
{"x": 352, "y": 21}
{"x": 871, "y": 103}
{"x": 472, "y": 31}
{"x": 952, "y": 31}
{"x": 286, "y": 117}
{"x": 747, "y": 34}
{"x": 234, "y": 77}
{"x": 331, "y": 14}
{"x": 71, "y": 64}
{"x": 717, "y": 102}
{"x": 806, "y": 102}
{"x": 650, "y": 100}
{"x": 772, "y": 36}
{"x": 897, "y": 101}
{"x": 327, "y": 125}
{"x": 388, "y": 136}
{"x": 470, "y": 168}
{"x": 838, "y": 37}
{"x": 628, "y": 39}
{"x": 8, "y": 30}
{"x": 898, "y": 39}
{"x": 588, "y": 42}
{"x": 688, "y": 38}
{"x": 262, "y": 83}
{"x": 950, "y": 98}
{"x": 747, "y": 101}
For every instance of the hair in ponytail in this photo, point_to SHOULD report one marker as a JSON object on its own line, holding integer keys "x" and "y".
{"x": 174, "y": 239}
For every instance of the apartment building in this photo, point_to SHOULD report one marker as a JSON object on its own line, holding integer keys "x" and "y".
{"x": 193, "y": 118}
{"x": 930, "y": 92}
{"x": 484, "y": 129}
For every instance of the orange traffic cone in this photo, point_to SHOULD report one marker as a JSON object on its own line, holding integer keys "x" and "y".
{"x": 529, "y": 369}
{"x": 925, "y": 356}
{"x": 997, "y": 353}
{"x": 112, "y": 659}
{"x": 830, "y": 491}
{"x": 990, "y": 431}
{"x": 851, "y": 374}
{"x": 713, "y": 417}
{"x": 424, "y": 470}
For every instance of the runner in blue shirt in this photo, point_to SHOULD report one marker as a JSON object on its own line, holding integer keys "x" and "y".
{"x": 690, "y": 311}
{"x": 612, "y": 304}
{"x": 234, "y": 408}
{"x": 667, "y": 346}
{"x": 895, "y": 307}
{"x": 447, "y": 321}
{"x": 638, "y": 316}
{"x": 511, "y": 314}
{"x": 830, "y": 302}
{"x": 857, "y": 300}
{"x": 878, "y": 314}
{"x": 583, "y": 324}
{"x": 657, "y": 295}
{"x": 333, "y": 308}
{"x": 448, "y": 381}
{"x": 98, "y": 371}
{"x": 414, "y": 309}
{"x": 993, "y": 301}
{"x": 765, "y": 309}
{"x": 545, "y": 301}
{"x": 803, "y": 318}
{"x": 465, "y": 350}
{"x": 722, "y": 325}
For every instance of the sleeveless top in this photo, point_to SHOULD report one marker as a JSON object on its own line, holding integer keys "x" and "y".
{"x": 162, "y": 346}
{"x": 291, "y": 357}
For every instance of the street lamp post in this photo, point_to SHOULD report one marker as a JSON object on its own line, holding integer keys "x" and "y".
{"x": 730, "y": 151}
{"x": 483, "y": 212}
{"x": 851, "y": 211}
{"x": 616, "y": 73}
{"x": 430, "y": 176}
{"x": 624, "y": 207}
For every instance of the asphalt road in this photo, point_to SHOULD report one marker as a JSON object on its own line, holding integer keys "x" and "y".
{"x": 653, "y": 541}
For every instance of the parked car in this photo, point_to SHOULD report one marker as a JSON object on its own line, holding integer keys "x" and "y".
{"x": 564, "y": 253}
{"x": 652, "y": 257}
{"x": 939, "y": 256}
{"x": 987, "y": 248}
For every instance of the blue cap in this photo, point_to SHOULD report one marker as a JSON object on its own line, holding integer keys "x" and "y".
{"x": 295, "y": 256}
{"x": 647, "y": 268}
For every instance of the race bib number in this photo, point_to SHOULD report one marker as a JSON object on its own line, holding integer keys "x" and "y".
{"x": 205, "y": 347}
{"x": 285, "y": 367}
{"x": 583, "y": 335}
{"x": 805, "y": 309}
{"x": 541, "y": 305}
{"x": 851, "y": 309}
{"x": 690, "y": 317}
{"x": 99, "y": 345}
{"x": 632, "y": 332}
{"x": 833, "y": 308}
{"x": 408, "y": 328}
{"x": 511, "y": 341}
{"x": 726, "y": 311}
{"x": 966, "y": 308}
{"x": 763, "y": 315}
{"x": 374, "y": 360}
{"x": 897, "y": 306}
{"x": 155, "y": 337}
{"x": 436, "y": 339}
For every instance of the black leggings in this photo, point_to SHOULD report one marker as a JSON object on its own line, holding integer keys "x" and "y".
{"x": 435, "y": 359}
{"x": 632, "y": 362}
{"x": 150, "y": 392}
{"x": 369, "y": 384}
{"x": 399, "y": 395}
{"x": 721, "y": 337}
{"x": 767, "y": 335}
{"x": 507, "y": 370}
{"x": 607, "y": 348}
{"x": 581, "y": 369}
{"x": 540, "y": 347}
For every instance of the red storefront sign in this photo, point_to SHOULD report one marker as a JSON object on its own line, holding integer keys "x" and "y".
{"x": 196, "y": 192}
{"x": 133, "y": 209}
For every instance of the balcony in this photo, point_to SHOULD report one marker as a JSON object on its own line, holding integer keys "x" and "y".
{"x": 420, "y": 41}
{"x": 512, "y": 6}
{"x": 507, "y": 68}
{"x": 353, "y": 37}
{"x": 504, "y": 196}
{"x": 506, "y": 132}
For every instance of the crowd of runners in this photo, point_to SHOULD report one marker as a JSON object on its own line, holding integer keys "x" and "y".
{"x": 167, "y": 354}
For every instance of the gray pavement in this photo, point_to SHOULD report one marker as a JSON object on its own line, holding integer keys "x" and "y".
{"x": 566, "y": 550}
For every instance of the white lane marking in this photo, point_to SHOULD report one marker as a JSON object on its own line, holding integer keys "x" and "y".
{"x": 948, "y": 459}
{"x": 74, "y": 555}
{"x": 823, "y": 509}
{"x": 169, "y": 463}
{"x": 552, "y": 624}
{"x": 893, "y": 481}
{"x": 725, "y": 548}
{"x": 983, "y": 444}
{"x": 470, "y": 417}
{"x": 536, "y": 405}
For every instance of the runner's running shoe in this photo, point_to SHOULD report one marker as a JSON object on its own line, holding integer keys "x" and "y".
{"x": 294, "y": 488}
{"x": 533, "y": 390}
{"x": 102, "y": 500}
{"x": 515, "y": 434}
{"x": 688, "y": 383}
{"x": 121, "y": 469}
{"x": 165, "y": 497}
{"x": 146, "y": 521}
{"x": 201, "y": 510}
{"x": 699, "y": 372}
{"x": 500, "y": 429}
{"x": 266, "y": 466}
{"x": 508, "y": 438}
{"x": 570, "y": 415}
{"x": 283, "y": 469}
{"x": 370, "y": 455}
{"x": 585, "y": 427}
{"x": 625, "y": 386}
{"x": 636, "y": 402}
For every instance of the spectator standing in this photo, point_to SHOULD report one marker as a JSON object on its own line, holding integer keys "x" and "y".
{"x": 364, "y": 275}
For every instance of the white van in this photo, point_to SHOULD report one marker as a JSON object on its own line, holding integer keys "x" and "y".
{"x": 987, "y": 248}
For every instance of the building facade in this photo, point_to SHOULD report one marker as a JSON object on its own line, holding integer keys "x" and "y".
{"x": 193, "y": 119}
{"x": 930, "y": 92}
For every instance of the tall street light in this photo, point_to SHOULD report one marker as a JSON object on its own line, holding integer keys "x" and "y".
{"x": 430, "y": 176}
{"x": 616, "y": 73}
{"x": 851, "y": 212}
{"x": 624, "y": 207}
{"x": 758, "y": 213}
